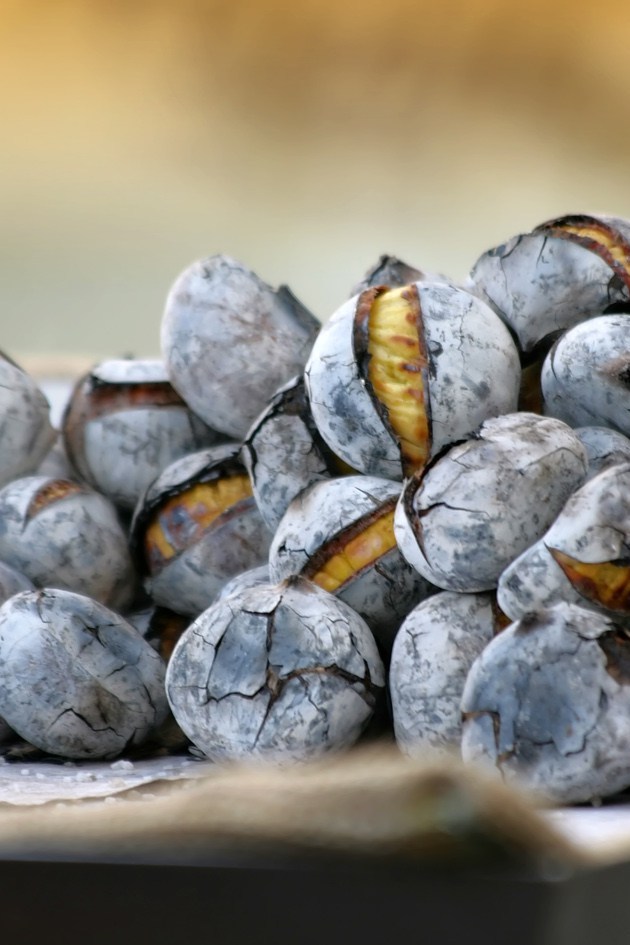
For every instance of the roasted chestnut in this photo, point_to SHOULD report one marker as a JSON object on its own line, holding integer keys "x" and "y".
{"x": 76, "y": 679}
{"x": 125, "y": 423}
{"x": 433, "y": 651}
{"x": 564, "y": 271}
{"x": 65, "y": 535}
{"x": 339, "y": 533}
{"x": 547, "y": 703}
{"x": 229, "y": 341}
{"x": 196, "y": 527}
{"x": 284, "y": 452}
{"x": 480, "y": 504}
{"x": 584, "y": 556}
{"x": 279, "y": 672}
{"x": 397, "y": 374}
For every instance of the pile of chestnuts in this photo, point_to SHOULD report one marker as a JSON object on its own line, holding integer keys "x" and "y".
{"x": 412, "y": 521}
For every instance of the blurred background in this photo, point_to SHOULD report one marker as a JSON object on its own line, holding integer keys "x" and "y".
{"x": 304, "y": 138}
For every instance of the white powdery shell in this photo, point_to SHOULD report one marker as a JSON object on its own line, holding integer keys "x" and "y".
{"x": 127, "y": 450}
{"x": 125, "y": 423}
{"x": 484, "y": 501}
{"x": 604, "y": 447}
{"x": 284, "y": 453}
{"x": 382, "y": 592}
{"x": 229, "y": 341}
{"x": 342, "y": 408}
{"x": 475, "y": 368}
{"x": 547, "y": 703}
{"x": 539, "y": 284}
{"x": 474, "y": 373}
{"x": 25, "y": 430}
{"x": 585, "y": 377}
{"x": 76, "y": 679}
{"x": 391, "y": 271}
{"x": 283, "y": 672}
{"x": 11, "y": 582}
{"x": 594, "y": 525}
{"x": 592, "y": 528}
{"x": 130, "y": 371}
{"x": 66, "y": 536}
{"x": 433, "y": 651}
{"x": 533, "y": 581}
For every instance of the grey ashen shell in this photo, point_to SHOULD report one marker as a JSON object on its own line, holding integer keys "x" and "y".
{"x": 586, "y": 376}
{"x": 284, "y": 453}
{"x": 26, "y": 433}
{"x": 547, "y": 280}
{"x": 604, "y": 447}
{"x": 125, "y": 423}
{"x": 534, "y": 581}
{"x": 76, "y": 680}
{"x": 229, "y": 341}
{"x": 479, "y": 505}
{"x": 391, "y": 271}
{"x": 11, "y": 582}
{"x": 547, "y": 703}
{"x": 65, "y": 535}
{"x": 282, "y": 673}
{"x": 321, "y": 521}
{"x": 591, "y": 535}
{"x": 473, "y": 373}
{"x": 433, "y": 651}
{"x": 205, "y": 558}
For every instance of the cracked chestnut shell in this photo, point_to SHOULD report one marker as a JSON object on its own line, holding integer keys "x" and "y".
{"x": 565, "y": 270}
{"x": 547, "y": 704}
{"x": 125, "y": 423}
{"x": 585, "y": 377}
{"x": 391, "y": 271}
{"x": 76, "y": 680}
{"x": 398, "y": 373}
{"x": 196, "y": 528}
{"x": 25, "y": 430}
{"x": 66, "y": 535}
{"x": 284, "y": 453}
{"x": 604, "y": 447}
{"x": 339, "y": 533}
{"x": 280, "y": 672}
{"x": 229, "y": 341}
{"x": 433, "y": 651}
{"x": 484, "y": 501}
{"x": 584, "y": 556}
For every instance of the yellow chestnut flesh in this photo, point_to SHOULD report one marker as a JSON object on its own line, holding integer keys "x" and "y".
{"x": 52, "y": 491}
{"x": 606, "y": 582}
{"x": 349, "y": 557}
{"x": 183, "y": 518}
{"x": 603, "y": 236}
{"x": 395, "y": 371}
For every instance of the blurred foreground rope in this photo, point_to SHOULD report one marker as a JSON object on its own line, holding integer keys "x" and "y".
{"x": 371, "y": 803}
